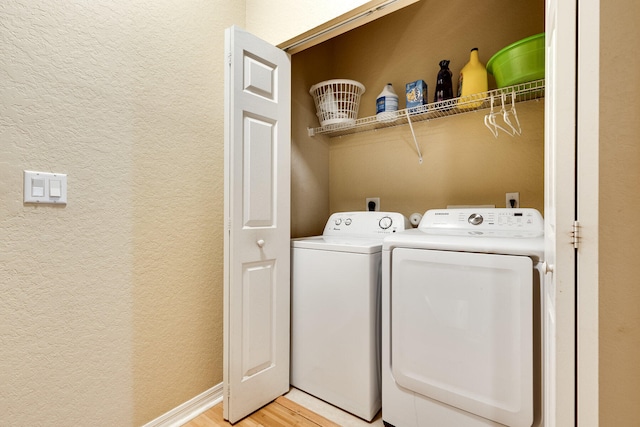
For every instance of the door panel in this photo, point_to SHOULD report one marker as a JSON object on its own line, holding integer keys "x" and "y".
{"x": 559, "y": 213}
{"x": 259, "y": 172}
{"x": 462, "y": 331}
{"x": 259, "y": 77}
{"x": 257, "y": 205}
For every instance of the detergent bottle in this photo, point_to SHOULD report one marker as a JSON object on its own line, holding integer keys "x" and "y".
{"x": 473, "y": 80}
{"x": 387, "y": 104}
{"x": 444, "y": 88}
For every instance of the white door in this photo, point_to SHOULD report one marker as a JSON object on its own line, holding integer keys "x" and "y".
{"x": 257, "y": 221}
{"x": 559, "y": 213}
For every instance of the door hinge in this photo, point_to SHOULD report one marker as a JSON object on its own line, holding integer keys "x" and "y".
{"x": 575, "y": 234}
{"x": 229, "y": 58}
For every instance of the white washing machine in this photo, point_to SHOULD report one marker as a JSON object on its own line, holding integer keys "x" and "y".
{"x": 335, "y": 310}
{"x": 461, "y": 309}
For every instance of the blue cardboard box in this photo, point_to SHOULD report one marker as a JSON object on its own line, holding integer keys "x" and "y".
{"x": 416, "y": 94}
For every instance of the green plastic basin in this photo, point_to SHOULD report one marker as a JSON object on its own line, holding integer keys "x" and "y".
{"x": 520, "y": 62}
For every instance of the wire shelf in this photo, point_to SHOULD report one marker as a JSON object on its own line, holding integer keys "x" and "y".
{"x": 452, "y": 107}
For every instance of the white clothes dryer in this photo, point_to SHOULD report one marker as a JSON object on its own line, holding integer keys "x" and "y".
{"x": 461, "y": 310}
{"x": 335, "y": 310}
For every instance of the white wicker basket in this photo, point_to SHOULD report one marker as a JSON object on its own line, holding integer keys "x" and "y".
{"x": 337, "y": 101}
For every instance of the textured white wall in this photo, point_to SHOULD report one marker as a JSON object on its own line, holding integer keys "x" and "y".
{"x": 66, "y": 272}
{"x": 110, "y": 307}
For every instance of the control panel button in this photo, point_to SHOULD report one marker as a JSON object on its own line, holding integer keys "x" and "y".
{"x": 338, "y": 221}
{"x": 347, "y": 221}
{"x": 385, "y": 222}
{"x": 475, "y": 219}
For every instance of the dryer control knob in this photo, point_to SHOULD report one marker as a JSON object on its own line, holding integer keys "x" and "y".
{"x": 338, "y": 221}
{"x": 385, "y": 222}
{"x": 475, "y": 219}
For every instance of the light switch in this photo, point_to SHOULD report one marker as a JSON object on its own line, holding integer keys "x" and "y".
{"x": 55, "y": 189}
{"x": 45, "y": 188}
{"x": 37, "y": 187}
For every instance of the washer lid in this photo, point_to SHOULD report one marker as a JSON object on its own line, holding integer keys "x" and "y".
{"x": 338, "y": 244}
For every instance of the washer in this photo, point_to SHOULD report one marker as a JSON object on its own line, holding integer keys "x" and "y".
{"x": 461, "y": 335}
{"x": 335, "y": 310}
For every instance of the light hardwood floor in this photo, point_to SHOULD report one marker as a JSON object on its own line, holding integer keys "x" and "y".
{"x": 280, "y": 413}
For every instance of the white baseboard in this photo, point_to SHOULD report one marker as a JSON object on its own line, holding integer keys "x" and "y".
{"x": 190, "y": 409}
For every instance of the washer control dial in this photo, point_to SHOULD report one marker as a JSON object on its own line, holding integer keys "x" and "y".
{"x": 385, "y": 222}
{"x": 475, "y": 219}
{"x": 347, "y": 221}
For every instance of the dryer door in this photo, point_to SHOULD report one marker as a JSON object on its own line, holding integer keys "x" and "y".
{"x": 461, "y": 331}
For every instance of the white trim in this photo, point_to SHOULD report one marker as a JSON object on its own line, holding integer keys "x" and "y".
{"x": 364, "y": 14}
{"x": 588, "y": 139}
{"x": 190, "y": 409}
{"x": 560, "y": 194}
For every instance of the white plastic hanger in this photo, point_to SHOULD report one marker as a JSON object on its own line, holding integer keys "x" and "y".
{"x": 490, "y": 119}
{"x": 487, "y": 120}
{"x": 514, "y": 114}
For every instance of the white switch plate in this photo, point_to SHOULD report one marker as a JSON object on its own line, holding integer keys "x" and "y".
{"x": 55, "y": 194}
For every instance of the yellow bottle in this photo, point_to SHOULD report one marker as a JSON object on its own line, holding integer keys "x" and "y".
{"x": 473, "y": 80}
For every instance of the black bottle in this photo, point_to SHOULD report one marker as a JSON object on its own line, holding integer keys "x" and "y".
{"x": 444, "y": 87}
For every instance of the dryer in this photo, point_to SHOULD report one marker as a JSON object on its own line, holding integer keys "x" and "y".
{"x": 461, "y": 309}
{"x": 335, "y": 310}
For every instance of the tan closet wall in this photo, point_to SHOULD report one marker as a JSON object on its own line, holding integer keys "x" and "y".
{"x": 463, "y": 162}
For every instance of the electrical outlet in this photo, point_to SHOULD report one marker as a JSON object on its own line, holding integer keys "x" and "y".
{"x": 516, "y": 200}
{"x": 373, "y": 204}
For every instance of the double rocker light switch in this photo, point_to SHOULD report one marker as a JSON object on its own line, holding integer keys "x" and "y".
{"x": 43, "y": 187}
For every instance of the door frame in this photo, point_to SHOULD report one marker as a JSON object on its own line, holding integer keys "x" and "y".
{"x": 587, "y": 192}
{"x": 586, "y": 203}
